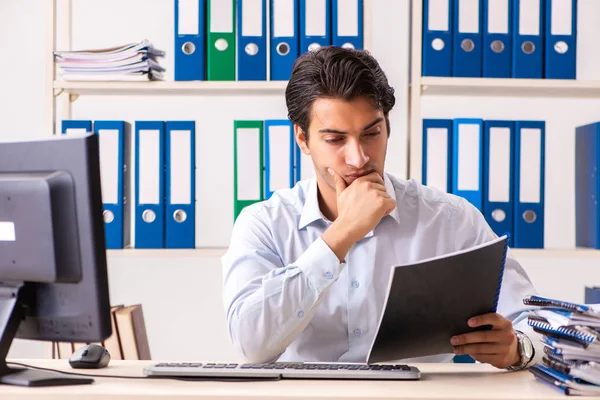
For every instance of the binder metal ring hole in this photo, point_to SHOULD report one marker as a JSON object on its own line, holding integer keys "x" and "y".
{"x": 221, "y": 44}
{"x": 283, "y": 49}
{"x": 467, "y": 45}
{"x": 528, "y": 47}
{"x": 251, "y": 49}
{"x": 188, "y": 48}
{"x": 497, "y": 46}
{"x": 348, "y": 46}
{"x": 498, "y": 215}
{"x": 149, "y": 216}
{"x": 314, "y": 46}
{"x": 179, "y": 216}
{"x": 529, "y": 216}
{"x": 561, "y": 47}
{"x": 108, "y": 216}
{"x": 438, "y": 44}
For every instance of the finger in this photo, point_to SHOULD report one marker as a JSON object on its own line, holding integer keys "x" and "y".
{"x": 340, "y": 183}
{"x": 482, "y": 348}
{"x": 494, "y": 319}
{"x": 379, "y": 188}
{"x": 372, "y": 177}
{"x": 389, "y": 205}
{"x": 491, "y": 336}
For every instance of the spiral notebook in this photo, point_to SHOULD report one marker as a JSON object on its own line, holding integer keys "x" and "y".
{"x": 430, "y": 301}
{"x": 568, "y": 384}
{"x": 554, "y": 304}
{"x": 578, "y": 333}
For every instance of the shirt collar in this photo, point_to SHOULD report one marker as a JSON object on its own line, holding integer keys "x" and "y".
{"x": 311, "y": 211}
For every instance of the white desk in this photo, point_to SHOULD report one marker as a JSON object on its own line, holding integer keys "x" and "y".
{"x": 439, "y": 381}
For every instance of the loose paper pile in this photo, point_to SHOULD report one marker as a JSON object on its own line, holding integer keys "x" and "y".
{"x": 132, "y": 62}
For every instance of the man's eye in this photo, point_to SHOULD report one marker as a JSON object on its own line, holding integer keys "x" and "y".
{"x": 335, "y": 140}
{"x": 373, "y": 134}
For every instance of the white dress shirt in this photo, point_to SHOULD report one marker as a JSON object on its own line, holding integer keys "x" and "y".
{"x": 287, "y": 297}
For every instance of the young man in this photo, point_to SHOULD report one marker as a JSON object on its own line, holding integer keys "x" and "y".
{"x": 306, "y": 273}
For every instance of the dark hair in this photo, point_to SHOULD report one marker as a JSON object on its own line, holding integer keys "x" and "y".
{"x": 336, "y": 72}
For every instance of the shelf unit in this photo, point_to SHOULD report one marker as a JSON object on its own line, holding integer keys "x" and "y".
{"x": 163, "y": 87}
{"x": 509, "y": 87}
{"x": 63, "y": 93}
{"x": 220, "y": 251}
{"x": 421, "y": 86}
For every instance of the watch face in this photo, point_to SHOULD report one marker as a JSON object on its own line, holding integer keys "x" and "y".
{"x": 527, "y": 347}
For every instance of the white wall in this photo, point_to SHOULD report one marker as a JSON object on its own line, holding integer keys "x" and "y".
{"x": 181, "y": 292}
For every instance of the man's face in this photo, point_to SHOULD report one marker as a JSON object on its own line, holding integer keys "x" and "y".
{"x": 348, "y": 137}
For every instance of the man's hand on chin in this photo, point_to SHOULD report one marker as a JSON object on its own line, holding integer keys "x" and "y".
{"x": 497, "y": 346}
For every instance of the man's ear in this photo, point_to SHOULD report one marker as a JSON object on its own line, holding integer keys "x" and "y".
{"x": 301, "y": 140}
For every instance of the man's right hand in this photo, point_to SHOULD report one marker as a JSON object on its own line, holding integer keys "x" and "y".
{"x": 360, "y": 207}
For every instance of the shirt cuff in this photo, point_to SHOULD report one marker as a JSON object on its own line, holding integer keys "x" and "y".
{"x": 320, "y": 265}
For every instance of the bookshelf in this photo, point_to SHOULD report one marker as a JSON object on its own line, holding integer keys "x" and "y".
{"x": 166, "y": 87}
{"x": 423, "y": 87}
{"x": 509, "y": 87}
{"x": 218, "y": 252}
{"x": 168, "y": 253}
{"x": 60, "y": 94}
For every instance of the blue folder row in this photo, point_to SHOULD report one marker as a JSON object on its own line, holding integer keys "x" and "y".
{"x": 498, "y": 166}
{"x": 256, "y": 178}
{"x": 294, "y": 27}
{"x": 164, "y": 181}
{"x": 500, "y": 38}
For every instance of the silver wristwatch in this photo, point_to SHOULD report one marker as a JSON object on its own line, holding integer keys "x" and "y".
{"x": 526, "y": 351}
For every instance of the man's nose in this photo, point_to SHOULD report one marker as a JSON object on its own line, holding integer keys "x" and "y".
{"x": 355, "y": 155}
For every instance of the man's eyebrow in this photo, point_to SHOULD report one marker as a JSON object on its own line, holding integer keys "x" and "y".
{"x": 329, "y": 130}
{"x": 372, "y": 124}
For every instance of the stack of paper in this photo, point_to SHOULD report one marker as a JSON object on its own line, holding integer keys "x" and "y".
{"x": 132, "y": 62}
{"x": 571, "y": 336}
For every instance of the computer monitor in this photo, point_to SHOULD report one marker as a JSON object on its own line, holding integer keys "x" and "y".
{"x": 53, "y": 278}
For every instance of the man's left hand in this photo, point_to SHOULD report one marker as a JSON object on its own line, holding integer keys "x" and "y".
{"x": 497, "y": 346}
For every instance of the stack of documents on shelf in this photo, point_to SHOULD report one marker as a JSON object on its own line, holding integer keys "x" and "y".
{"x": 571, "y": 335}
{"x": 132, "y": 62}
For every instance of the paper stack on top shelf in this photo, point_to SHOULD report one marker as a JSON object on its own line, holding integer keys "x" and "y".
{"x": 571, "y": 336}
{"x": 131, "y": 62}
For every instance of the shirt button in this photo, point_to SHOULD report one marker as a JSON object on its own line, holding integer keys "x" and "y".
{"x": 329, "y": 275}
{"x": 357, "y": 332}
{"x": 301, "y": 314}
{"x": 355, "y": 284}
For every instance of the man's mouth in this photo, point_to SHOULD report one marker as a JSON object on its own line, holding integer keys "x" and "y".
{"x": 357, "y": 175}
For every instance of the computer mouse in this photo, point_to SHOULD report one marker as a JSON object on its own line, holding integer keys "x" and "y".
{"x": 90, "y": 356}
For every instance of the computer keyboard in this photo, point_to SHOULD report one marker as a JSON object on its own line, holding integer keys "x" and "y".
{"x": 283, "y": 370}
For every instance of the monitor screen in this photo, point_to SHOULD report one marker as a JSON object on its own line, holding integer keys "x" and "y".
{"x": 53, "y": 278}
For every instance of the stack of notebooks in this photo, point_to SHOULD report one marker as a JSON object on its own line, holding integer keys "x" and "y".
{"x": 571, "y": 335}
{"x": 131, "y": 62}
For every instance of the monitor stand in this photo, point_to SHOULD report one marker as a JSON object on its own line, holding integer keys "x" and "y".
{"x": 11, "y": 314}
